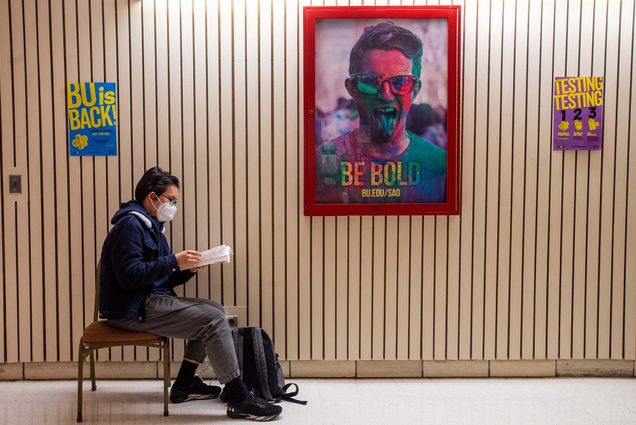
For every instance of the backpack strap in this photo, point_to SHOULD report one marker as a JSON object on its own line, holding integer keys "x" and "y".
{"x": 289, "y": 396}
{"x": 237, "y": 336}
{"x": 261, "y": 363}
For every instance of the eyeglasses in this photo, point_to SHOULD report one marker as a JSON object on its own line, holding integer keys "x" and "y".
{"x": 399, "y": 84}
{"x": 171, "y": 201}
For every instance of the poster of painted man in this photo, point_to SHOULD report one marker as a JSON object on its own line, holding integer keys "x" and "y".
{"x": 382, "y": 111}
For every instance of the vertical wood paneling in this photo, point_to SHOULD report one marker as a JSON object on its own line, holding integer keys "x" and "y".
{"x": 354, "y": 264}
{"x": 492, "y": 177}
{"x": 266, "y": 170}
{"x": 379, "y": 287}
{"x": 253, "y": 152}
{"x": 568, "y": 216}
{"x": 124, "y": 131}
{"x": 390, "y": 290}
{"x": 537, "y": 265}
{"x": 214, "y": 141}
{"x": 520, "y": 77}
{"x": 623, "y": 118}
{"x": 479, "y": 206}
{"x": 317, "y": 291}
{"x": 100, "y": 198}
{"x": 66, "y": 344}
{"x": 49, "y": 280}
{"x": 305, "y": 245}
{"x": 149, "y": 100}
{"x": 87, "y": 229}
{"x": 240, "y": 174}
{"x": 76, "y": 308}
{"x": 112, "y": 193}
{"x": 202, "y": 180}
{"x": 366, "y": 287}
{"x": 279, "y": 175}
{"x": 330, "y": 256}
{"x": 630, "y": 250}
{"x": 469, "y": 30}
{"x": 504, "y": 122}
{"x": 428, "y": 288}
{"x": 150, "y": 82}
{"x": 9, "y": 287}
{"x": 34, "y": 150}
{"x": 556, "y": 177}
{"x": 607, "y": 182}
{"x": 440, "y": 291}
{"x": 188, "y": 174}
{"x": 403, "y": 287}
{"x": 594, "y": 198}
{"x": 2, "y": 240}
{"x": 20, "y": 125}
{"x": 533, "y": 38}
{"x": 341, "y": 289}
{"x": 581, "y": 195}
{"x": 415, "y": 291}
{"x": 293, "y": 87}
{"x": 543, "y": 179}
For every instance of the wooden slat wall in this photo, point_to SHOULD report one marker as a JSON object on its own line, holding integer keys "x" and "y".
{"x": 540, "y": 264}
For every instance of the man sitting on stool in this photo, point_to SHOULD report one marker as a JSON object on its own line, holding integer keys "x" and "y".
{"x": 138, "y": 274}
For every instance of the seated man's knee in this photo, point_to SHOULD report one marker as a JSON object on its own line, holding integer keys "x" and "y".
{"x": 211, "y": 316}
{"x": 215, "y": 305}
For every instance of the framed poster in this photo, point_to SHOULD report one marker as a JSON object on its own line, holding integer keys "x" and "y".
{"x": 578, "y": 113}
{"x": 381, "y": 112}
{"x": 92, "y": 118}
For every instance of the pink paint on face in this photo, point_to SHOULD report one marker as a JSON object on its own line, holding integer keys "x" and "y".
{"x": 384, "y": 113}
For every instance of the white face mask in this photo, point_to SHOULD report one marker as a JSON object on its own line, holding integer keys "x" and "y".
{"x": 166, "y": 211}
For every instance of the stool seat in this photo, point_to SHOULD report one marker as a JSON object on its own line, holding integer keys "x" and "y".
{"x": 101, "y": 332}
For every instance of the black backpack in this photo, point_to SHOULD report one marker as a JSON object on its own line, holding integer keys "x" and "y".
{"x": 260, "y": 369}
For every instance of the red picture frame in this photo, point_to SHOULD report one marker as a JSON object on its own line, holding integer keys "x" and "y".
{"x": 315, "y": 119}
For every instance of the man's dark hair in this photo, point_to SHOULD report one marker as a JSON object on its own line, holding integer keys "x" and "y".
{"x": 387, "y": 36}
{"x": 154, "y": 180}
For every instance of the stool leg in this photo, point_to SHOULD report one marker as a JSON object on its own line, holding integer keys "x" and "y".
{"x": 166, "y": 375}
{"x": 80, "y": 378}
{"x": 93, "y": 386}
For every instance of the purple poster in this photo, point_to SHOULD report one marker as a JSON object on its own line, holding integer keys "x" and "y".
{"x": 578, "y": 113}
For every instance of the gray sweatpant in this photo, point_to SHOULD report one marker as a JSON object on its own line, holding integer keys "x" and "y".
{"x": 201, "y": 322}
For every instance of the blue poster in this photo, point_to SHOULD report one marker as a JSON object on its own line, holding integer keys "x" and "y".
{"x": 92, "y": 119}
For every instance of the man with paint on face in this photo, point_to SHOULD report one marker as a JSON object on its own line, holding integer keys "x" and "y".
{"x": 382, "y": 162}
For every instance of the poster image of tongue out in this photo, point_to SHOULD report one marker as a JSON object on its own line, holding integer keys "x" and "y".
{"x": 381, "y": 123}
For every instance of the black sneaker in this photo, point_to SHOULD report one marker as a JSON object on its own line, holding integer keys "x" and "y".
{"x": 253, "y": 408}
{"x": 197, "y": 390}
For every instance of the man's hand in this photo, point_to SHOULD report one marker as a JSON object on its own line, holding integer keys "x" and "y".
{"x": 187, "y": 259}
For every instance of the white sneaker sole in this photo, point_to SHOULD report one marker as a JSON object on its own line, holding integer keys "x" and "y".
{"x": 252, "y": 417}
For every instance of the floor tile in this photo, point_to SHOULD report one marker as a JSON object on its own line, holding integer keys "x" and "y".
{"x": 482, "y": 401}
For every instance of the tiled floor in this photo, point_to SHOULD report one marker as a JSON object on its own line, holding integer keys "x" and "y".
{"x": 562, "y": 401}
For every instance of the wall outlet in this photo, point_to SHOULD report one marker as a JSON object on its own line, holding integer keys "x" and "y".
{"x": 232, "y": 319}
{"x": 236, "y": 315}
{"x": 15, "y": 183}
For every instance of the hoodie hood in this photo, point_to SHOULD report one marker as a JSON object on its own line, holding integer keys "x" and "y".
{"x": 138, "y": 210}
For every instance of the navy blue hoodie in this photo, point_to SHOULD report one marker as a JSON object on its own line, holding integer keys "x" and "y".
{"x": 136, "y": 260}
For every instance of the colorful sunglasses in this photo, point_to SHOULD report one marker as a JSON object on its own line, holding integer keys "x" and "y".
{"x": 399, "y": 84}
